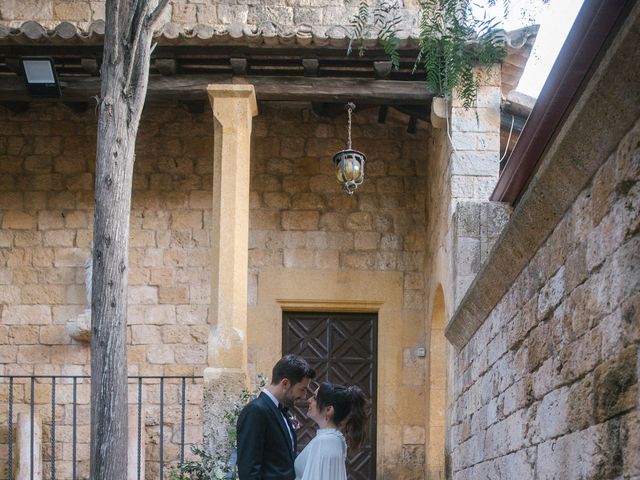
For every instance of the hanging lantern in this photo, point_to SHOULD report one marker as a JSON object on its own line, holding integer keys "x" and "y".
{"x": 349, "y": 163}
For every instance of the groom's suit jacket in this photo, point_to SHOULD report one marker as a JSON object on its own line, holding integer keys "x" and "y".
{"x": 264, "y": 445}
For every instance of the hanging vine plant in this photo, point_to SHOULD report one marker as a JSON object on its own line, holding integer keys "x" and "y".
{"x": 451, "y": 42}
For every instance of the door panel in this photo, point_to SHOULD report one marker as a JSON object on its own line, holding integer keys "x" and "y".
{"x": 342, "y": 347}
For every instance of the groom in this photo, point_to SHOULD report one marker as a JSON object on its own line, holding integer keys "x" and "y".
{"x": 266, "y": 439}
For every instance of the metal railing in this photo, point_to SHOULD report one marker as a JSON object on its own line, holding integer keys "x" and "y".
{"x": 30, "y": 394}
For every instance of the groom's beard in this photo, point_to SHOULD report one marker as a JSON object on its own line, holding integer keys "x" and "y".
{"x": 288, "y": 399}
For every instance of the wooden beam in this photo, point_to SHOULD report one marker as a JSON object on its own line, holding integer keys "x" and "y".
{"x": 238, "y": 65}
{"x": 166, "y": 66}
{"x": 310, "y": 67}
{"x": 16, "y": 107}
{"x": 77, "y": 107}
{"x": 383, "y": 68}
{"x": 193, "y": 87}
{"x": 382, "y": 114}
{"x": 90, "y": 65}
{"x": 413, "y": 125}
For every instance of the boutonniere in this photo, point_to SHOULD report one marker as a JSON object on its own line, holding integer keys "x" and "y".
{"x": 295, "y": 423}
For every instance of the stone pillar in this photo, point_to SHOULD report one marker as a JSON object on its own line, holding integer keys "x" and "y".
{"x": 234, "y": 107}
{"x": 24, "y": 447}
{"x": 475, "y": 165}
{"x": 132, "y": 445}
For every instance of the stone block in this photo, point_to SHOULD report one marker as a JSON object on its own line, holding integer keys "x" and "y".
{"x": 366, "y": 240}
{"x": 54, "y": 335}
{"x": 467, "y": 256}
{"x": 581, "y": 356}
{"x": 43, "y": 294}
{"x": 280, "y": 200}
{"x": 467, "y": 219}
{"x": 552, "y": 414}
{"x": 309, "y": 16}
{"x": 207, "y": 14}
{"x": 282, "y": 15}
{"x": 191, "y": 354}
{"x": 324, "y": 184}
{"x": 143, "y": 295}
{"x": 72, "y": 11}
{"x": 17, "y": 220}
{"x": 97, "y": 10}
{"x": 183, "y": 13}
{"x": 31, "y": 354}
{"x": 186, "y": 219}
{"x": 332, "y": 221}
{"x": 11, "y": 201}
{"x": 173, "y": 295}
{"x": 230, "y": 14}
{"x": 616, "y": 385}
{"x": 201, "y": 200}
{"x": 23, "y": 334}
{"x": 8, "y": 354}
{"x": 359, "y": 221}
{"x": 298, "y": 258}
{"x": 476, "y": 163}
{"x": 358, "y": 261}
{"x": 14, "y": 10}
{"x": 161, "y": 354}
{"x": 630, "y": 442}
{"x": 69, "y": 257}
{"x": 300, "y": 220}
{"x": 551, "y": 294}
{"x": 307, "y": 201}
{"x": 264, "y": 219}
{"x": 26, "y": 315}
{"x": 59, "y": 238}
{"x": 327, "y": 260}
{"x": 145, "y": 334}
{"x": 580, "y": 410}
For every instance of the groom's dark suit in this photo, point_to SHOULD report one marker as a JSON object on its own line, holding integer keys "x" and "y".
{"x": 265, "y": 450}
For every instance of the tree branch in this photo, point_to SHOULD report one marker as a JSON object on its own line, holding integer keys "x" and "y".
{"x": 140, "y": 25}
{"x": 155, "y": 15}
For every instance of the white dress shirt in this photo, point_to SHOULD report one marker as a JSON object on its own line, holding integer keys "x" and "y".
{"x": 277, "y": 404}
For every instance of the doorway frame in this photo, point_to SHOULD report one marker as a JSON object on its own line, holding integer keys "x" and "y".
{"x": 340, "y": 292}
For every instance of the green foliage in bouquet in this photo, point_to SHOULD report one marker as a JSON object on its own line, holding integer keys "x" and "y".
{"x": 218, "y": 466}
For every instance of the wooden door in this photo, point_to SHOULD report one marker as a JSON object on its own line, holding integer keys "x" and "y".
{"x": 342, "y": 347}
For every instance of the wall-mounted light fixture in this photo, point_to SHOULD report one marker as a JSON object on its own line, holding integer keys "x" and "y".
{"x": 40, "y": 76}
{"x": 349, "y": 163}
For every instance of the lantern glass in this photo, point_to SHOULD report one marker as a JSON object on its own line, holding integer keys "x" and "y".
{"x": 349, "y": 170}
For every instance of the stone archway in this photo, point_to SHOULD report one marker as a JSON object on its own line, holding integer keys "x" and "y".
{"x": 437, "y": 390}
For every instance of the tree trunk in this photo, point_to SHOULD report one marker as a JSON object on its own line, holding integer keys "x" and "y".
{"x": 124, "y": 72}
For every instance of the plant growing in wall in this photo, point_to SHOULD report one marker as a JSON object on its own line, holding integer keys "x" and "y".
{"x": 451, "y": 42}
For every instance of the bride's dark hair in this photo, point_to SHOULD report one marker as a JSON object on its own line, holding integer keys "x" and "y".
{"x": 349, "y": 410}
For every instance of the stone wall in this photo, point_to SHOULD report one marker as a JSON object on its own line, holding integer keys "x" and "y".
{"x": 300, "y": 219}
{"x": 548, "y": 385}
{"x": 320, "y": 14}
{"x": 300, "y": 216}
{"x": 462, "y": 226}
{"x": 46, "y": 218}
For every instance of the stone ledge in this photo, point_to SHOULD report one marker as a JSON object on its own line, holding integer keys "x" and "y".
{"x": 580, "y": 147}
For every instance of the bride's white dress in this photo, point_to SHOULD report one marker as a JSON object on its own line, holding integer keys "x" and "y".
{"x": 323, "y": 458}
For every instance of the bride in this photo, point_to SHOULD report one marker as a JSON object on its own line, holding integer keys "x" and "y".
{"x": 340, "y": 414}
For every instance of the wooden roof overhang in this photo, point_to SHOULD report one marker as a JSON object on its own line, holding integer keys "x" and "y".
{"x": 295, "y": 66}
{"x": 180, "y": 72}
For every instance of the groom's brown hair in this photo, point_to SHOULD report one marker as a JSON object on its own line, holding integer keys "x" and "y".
{"x": 292, "y": 367}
